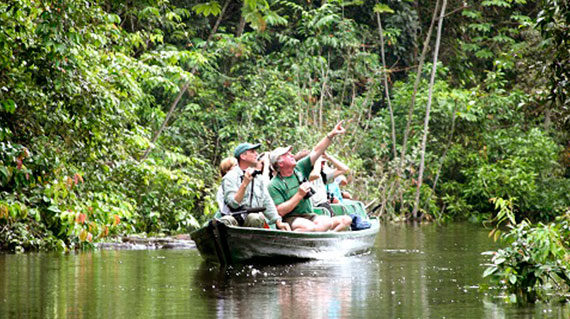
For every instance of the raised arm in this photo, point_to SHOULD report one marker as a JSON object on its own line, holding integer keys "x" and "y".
{"x": 340, "y": 167}
{"x": 321, "y": 146}
{"x": 317, "y": 168}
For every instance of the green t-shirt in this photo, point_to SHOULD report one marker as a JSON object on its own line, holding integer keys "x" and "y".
{"x": 282, "y": 189}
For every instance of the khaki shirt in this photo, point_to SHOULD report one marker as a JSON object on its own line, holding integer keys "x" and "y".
{"x": 230, "y": 184}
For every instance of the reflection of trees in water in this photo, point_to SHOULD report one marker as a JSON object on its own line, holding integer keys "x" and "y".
{"x": 319, "y": 289}
{"x": 403, "y": 287}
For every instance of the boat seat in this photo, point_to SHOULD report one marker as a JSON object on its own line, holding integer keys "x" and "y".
{"x": 350, "y": 207}
{"x": 321, "y": 211}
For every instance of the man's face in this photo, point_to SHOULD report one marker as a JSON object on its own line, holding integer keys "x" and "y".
{"x": 250, "y": 157}
{"x": 287, "y": 160}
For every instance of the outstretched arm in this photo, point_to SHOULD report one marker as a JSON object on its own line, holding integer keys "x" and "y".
{"x": 321, "y": 146}
{"x": 340, "y": 167}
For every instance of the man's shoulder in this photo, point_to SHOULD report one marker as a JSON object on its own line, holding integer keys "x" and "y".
{"x": 304, "y": 161}
{"x": 236, "y": 171}
{"x": 275, "y": 182}
{"x": 304, "y": 166}
{"x": 232, "y": 175}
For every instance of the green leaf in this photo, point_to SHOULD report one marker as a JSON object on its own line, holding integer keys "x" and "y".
{"x": 471, "y": 14}
{"x": 489, "y": 271}
{"x": 382, "y": 8}
{"x": 54, "y": 209}
{"x": 484, "y": 54}
{"x": 9, "y": 106}
{"x": 498, "y": 3}
{"x": 212, "y": 7}
{"x": 512, "y": 279}
{"x": 481, "y": 27}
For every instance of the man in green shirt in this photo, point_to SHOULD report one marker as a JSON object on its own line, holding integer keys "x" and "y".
{"x": 290, "y": 186}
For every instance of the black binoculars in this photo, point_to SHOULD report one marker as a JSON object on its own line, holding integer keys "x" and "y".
{"x": 310, "y": 193}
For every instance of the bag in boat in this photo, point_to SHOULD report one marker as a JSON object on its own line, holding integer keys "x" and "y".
{"x": 358, "y": 223}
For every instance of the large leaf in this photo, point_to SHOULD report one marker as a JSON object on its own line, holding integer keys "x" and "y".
{"x": 205, "y": 9}
{"x": 382, "y": 8}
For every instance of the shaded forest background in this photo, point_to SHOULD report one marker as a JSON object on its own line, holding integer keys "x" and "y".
{"x": 88, "y": 148}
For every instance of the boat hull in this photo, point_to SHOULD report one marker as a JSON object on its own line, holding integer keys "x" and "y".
{"x": 224, "y": 244}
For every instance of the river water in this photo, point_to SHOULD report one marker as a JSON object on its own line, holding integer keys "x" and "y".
{"x": 423, "y": 271}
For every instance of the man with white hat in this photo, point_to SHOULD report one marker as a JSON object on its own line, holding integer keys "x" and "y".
{"x": 244, "y": 188}
{"x": 290, "y": 188}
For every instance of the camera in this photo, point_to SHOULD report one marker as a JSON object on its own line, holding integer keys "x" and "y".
{"x": 310, "y": 193}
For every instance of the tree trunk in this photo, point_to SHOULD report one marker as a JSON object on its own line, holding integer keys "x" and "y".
{"x": 416, "y": 84}
{"x": 183, "y": 88}
{"x": 241, "y": 27}
{"x": 386, "y": 90}
{"x": 444, "y": 155}
{"x": 428, "y": 107}
{"x": 449, "y": 140}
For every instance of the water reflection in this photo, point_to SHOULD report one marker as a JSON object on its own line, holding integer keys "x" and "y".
{"x": 414, "y": 272}
{"x": 318, "y": 289}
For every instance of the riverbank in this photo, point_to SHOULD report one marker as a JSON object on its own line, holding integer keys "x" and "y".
{"x": 181, "y": 241}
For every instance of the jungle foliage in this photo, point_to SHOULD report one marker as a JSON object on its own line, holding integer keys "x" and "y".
{"x": 86, "y": 85}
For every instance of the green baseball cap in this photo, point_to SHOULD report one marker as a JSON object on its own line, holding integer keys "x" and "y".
{"x": 244, "y": 147}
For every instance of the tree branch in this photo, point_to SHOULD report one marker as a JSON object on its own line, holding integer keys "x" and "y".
{"x": 428, "y": 107}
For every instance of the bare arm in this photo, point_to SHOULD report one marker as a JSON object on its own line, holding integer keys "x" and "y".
{"x": 316, "y": 172}
{"x": 321, "y": 146}
{"x": 340, "y": 167}
{"x": 287, "y": 206}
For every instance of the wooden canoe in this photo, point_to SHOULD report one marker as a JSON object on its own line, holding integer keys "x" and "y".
{"x": 228, "y": 245}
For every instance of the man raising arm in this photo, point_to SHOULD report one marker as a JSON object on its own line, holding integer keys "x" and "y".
{"x": 289, "y": 187}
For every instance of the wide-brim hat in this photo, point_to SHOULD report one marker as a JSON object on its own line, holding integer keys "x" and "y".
{"x": 244, "y": 147}
{"x": 276, "y": 154}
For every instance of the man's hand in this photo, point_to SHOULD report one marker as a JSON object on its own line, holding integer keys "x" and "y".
{"x": 283, "y": 225}
{"x": 247, "y": 175}
{"x": 337, "y": 130}
{"x": 304, "y": 189}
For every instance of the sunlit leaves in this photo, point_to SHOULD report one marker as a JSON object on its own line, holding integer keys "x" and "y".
{"x": 272, "y": 18}
{"x": 9, "y": 106}
{"x": 481, "y": 27}
{"x": 382, "y": 8}
{"x": 498, "y": 3}
{"x": 208, "y": 8}
{"x": 471, "y": 14}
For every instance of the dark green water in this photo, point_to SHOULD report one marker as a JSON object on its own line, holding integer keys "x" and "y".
{"x": 414, "y": 272}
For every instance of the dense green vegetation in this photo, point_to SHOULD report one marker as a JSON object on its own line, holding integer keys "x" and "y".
{"x": 85, "y": 87}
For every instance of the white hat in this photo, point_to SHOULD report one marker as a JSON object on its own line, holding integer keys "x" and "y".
{"x": 276, "y": 154}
